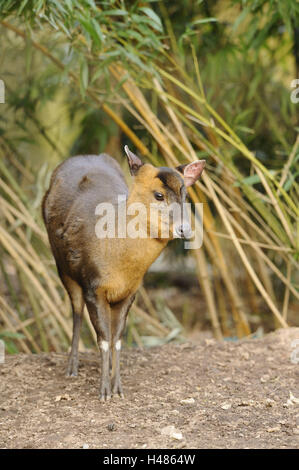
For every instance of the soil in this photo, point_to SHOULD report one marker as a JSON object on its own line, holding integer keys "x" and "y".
{"x": 199, "y": 394}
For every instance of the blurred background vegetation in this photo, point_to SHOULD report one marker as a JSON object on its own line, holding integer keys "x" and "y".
{"x": 176, "y": 81}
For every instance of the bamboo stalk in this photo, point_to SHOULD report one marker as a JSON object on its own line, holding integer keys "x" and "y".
{"x": 12, "y": 327}
{"x": 176, "y": 122}
{"x": 31, "y": 257}
{"x": 288, "y": 163}
{"x": 252, "y": 243}
{"x": 223, "y": 314}
{"x": 41, "y": 269}
{"x": 237, "y": 307}
{"x": 281, "y": 215}
{"x": 287, "y": 293}
{"x": 148, "y": 302}
{"x": 256, "y": 246}
{"x": 159, "y": 328}
{"x": 265, "y": 276}
{"x": 9, "y": 244}
{"x": 23, "y": 213}
{"x": 142, "y": 106}
{"x": 36, "y": 312}
{"x": 216, "y": 254}
{"x": 268, "y": 261}
{"x": 11, "y": 290}
{"x": 49, "y": 319}
{"x": 204, "y": 280}
{"x": 136, "y": 337}
{"x": 31, "y": 321}
{"x": 243, "y": 257}
{"x": 18, "y": 165}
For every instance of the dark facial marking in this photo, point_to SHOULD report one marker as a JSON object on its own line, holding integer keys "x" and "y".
{"x": 171, "y": 180}
{"x": 183, "y": 193}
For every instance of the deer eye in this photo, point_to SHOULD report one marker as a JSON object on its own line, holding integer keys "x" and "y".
{"x": 159, "y": 196}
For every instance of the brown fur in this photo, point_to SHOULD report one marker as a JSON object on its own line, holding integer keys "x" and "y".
{"x": 103, "y": 273}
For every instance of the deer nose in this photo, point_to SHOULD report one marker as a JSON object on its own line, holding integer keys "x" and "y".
{"x": 183, "y": 231}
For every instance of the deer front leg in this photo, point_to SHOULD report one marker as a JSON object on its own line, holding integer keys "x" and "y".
{"x": 115, "y": 371}
{"x": 100, "y": 315}
{"x": 119, "y": 313}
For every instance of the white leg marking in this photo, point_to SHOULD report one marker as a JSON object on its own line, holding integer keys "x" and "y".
{"x": 104, "y": 345}
{"x": 118, "y": 345}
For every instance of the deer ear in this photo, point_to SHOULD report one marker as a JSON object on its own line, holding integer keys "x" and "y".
{"x": 191, "y": 171}
{"x": 134, "y": 162}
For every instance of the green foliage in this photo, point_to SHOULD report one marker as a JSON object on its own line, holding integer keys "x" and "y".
{"x": 275, "y": 14}
{"x": 9, "y": 341}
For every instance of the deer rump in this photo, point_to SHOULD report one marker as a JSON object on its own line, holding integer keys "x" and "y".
{"x": 77, "y": 186}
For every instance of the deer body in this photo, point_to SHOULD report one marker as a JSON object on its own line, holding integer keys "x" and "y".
{"x": 102, "y": 273}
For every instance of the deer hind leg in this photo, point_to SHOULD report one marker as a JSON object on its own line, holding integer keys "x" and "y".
{"x": 77, "y": 301}
{"x": 119, "y": 313}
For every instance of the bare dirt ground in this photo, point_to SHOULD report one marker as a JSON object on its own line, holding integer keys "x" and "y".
{"x": 194, "y": 395}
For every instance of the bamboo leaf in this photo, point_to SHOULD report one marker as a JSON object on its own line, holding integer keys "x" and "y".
{"x": 250, "y": 180}
{"x": 156, "y": 23}
{"x": 204, "y": 20}
{"x": 84, "y": 73}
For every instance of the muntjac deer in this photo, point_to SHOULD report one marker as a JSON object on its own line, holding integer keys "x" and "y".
{"x": 105, "y": 273}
